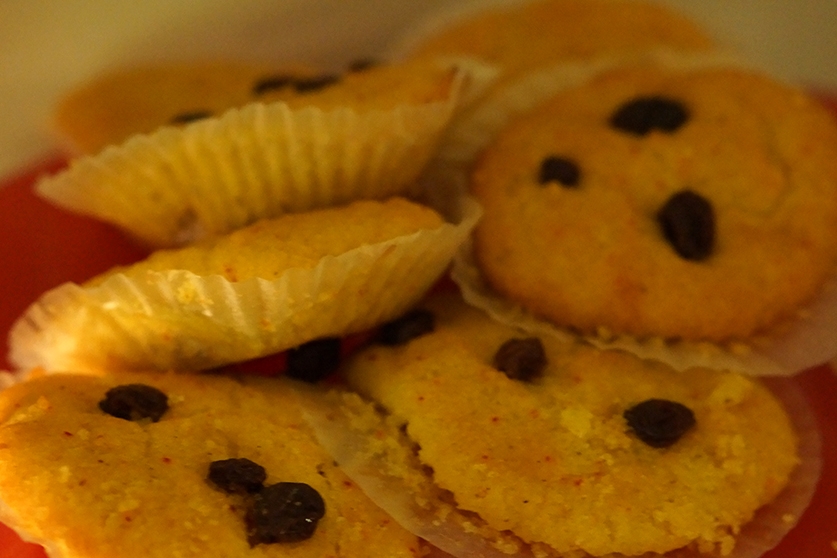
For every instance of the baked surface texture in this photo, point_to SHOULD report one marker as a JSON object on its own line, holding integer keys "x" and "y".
{"x": 523, "y": 36}
{"x": 522, "y": 456}
{"x": 260, "y": 290}
{"x": 92, "y": 485}
{"x": 755, "y": 240}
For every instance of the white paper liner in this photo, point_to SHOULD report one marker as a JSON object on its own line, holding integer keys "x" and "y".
{"x": 261, "y": 160}
{"x": 806, "y": 342}
{"x": 178, "y": 320}
{"x": 789, "y": 348}
{"x": 767, "y": 528}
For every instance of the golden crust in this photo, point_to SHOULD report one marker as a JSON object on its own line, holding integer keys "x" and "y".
{"x": 594, "y": 256}
{"x": 525, "y": 457}
{"x": 253, "y": 293}
{"x": 269, "y": 248}
{"x": 91, "y": 485}
{"x": 521, "y": 37}
{"x": 138, "y": 100}
{"x": 116, "y": 105}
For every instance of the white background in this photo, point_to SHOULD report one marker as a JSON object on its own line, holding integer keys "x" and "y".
{"x": 48, "y": 46}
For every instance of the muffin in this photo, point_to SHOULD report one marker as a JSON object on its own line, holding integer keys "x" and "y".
{"x": 257, "y": 291}
{"x": 116, "y": 105}
{"x": 478, "y": 436}
{"x": 521, "y": 36}
{"x": 139, "y": 465}
{"x": 613, "y": 206}
{"x": 367, "y": 136}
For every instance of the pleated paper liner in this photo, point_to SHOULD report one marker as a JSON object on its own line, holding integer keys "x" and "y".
{"x": 179, "y": 320}
{"x": 343, "y": 422}
{"x": 215, "y": 175}
{"x": 789, "y": 347}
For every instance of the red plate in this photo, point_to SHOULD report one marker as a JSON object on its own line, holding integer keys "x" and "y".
{"x": 43, "y": 246}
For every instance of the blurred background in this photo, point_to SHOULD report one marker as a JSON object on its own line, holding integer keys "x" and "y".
{"x": 49, "y": 46}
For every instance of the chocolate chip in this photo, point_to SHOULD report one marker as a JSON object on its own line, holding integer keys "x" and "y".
{"x": 314, "y": 360}
{"x": 659, "y": 422}
{"x": 286, "y": 512}
{"x": 306, "y": 85}
{"x": 271, "y": 83}
{"x": 362, "y": 64}
{"x": 559, "y": 169}
{"x": 237, "y": 475}
{"x": 521, "y": 359}
{"x": 190, "y": 116}
{"x": 688, "y": 223}
{"x": 406, "y": 328}
{"x": 299, "y": 84}
{"x": 644, "y": 114}
{"x": 135, "y": 402}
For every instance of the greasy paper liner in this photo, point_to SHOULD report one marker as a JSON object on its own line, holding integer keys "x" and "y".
{"x": 176, "y": 320}
{"x": 457, "y": 532}
{"x": 216, "y": 175}
{"x": 791, "y": 346}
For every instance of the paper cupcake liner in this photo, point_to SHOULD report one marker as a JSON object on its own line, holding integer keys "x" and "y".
{"x": 474, "y": 128}
{"x": 178, "y": 320}
{"x": 791, "y": 347}
{"x": 458, "y": 533}
{"x": 262, "y": 160}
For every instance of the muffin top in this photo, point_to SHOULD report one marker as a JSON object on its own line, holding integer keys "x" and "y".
{"x": 523, "y": 36}
{"x": 116, "y": 105}
{"x": 526, "y": 433}
{"x": 618, "y": 204}
{"x": 257, "y": 291}
{"x": 167, "y": 465}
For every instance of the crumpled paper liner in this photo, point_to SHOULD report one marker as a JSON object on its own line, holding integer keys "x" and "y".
{"x": 176, "y": 320}
{"x": 791, "y": 347}
{"x": 215, "y": 175}
{"x": 460, "y": 533}
{"x": 788, "y": 348}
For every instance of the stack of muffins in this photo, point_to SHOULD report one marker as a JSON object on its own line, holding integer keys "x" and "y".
{"x": 640, "y": 229}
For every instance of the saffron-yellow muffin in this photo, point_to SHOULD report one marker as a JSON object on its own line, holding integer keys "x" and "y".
{"x": 716, "y": 221}
{"x": 508, "y": 436}
{"x": 88, "y": 483}
{"x": 113, "y": 106}
{"x": 519, "y": 37}
{"x": 257, "y": 291}
{"x": 370, "y": 135}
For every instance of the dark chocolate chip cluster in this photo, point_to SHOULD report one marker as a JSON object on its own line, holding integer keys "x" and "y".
{"x": 404, "y": 329}
{"x": 643, "y": 115}
{"x": 314, "y": 361}
{"x": 659, "y": 422}
{"x": 687, "y": 219}
{"x": 268, "y": 84}
{"x": 135, "y": 402}
{"x": 521, "y": 359}
{"x": 285, "y": 512}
